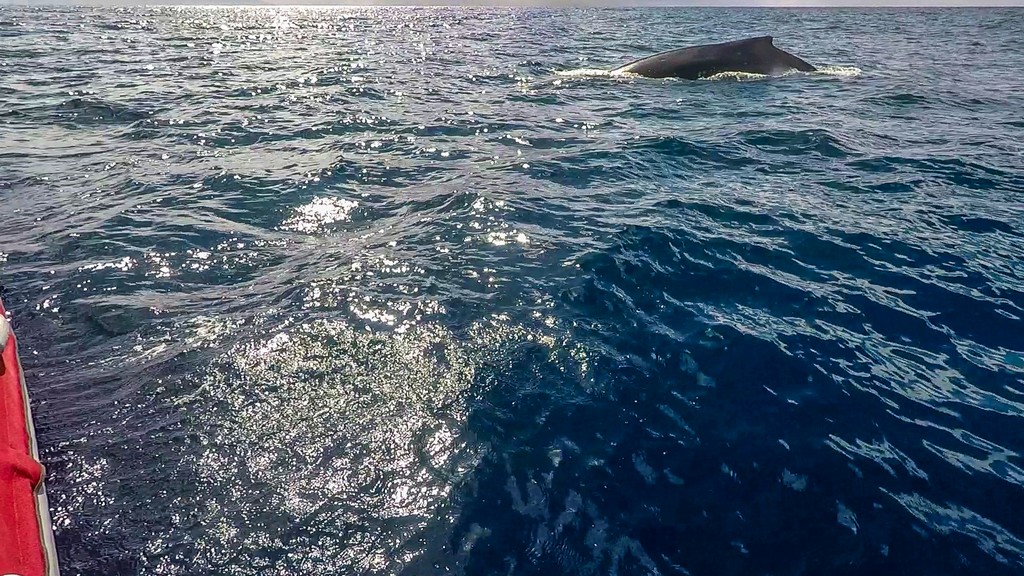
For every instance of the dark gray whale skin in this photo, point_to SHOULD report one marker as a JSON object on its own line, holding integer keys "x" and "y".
{"x": 753, "y": 55}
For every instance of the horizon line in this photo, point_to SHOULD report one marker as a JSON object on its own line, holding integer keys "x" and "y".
{"x": 786, "y": 4}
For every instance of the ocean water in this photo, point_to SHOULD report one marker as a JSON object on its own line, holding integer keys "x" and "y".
{"x": 423, "y": 291}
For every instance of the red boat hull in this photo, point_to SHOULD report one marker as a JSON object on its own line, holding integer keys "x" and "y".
{"x": 26, "y": 538}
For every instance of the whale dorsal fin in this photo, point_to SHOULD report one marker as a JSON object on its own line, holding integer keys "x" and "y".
{"x": 762, "y": 41}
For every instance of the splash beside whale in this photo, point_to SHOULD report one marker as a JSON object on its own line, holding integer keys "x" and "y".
{"x": 752, "y": 55}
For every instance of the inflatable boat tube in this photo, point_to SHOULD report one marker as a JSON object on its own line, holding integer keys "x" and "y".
{"x": 26, "y": 533}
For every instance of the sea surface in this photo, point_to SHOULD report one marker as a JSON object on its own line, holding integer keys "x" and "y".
{"x": 416, "y": 291}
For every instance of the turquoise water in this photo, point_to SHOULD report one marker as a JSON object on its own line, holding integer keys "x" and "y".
{"x": 423, "y": 291}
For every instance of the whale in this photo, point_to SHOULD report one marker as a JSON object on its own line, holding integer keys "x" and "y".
{"x": 757, "y": 55}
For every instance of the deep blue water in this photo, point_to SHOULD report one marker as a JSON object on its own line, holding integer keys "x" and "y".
{"x": 412, "y": 291}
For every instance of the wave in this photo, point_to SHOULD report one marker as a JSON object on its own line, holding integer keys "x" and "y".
{"x": 798, "y": 142}
{"x": 94, "y": 109}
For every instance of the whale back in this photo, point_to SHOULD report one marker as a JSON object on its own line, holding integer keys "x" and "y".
{"x": 755, "y": 55}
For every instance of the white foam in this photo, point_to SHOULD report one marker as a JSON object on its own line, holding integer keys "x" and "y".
{"x": 842, "y": 71}
{"x": 740, "y": 76}
{"x": 839, "y": 71}
{"x": 583, "y": 73}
